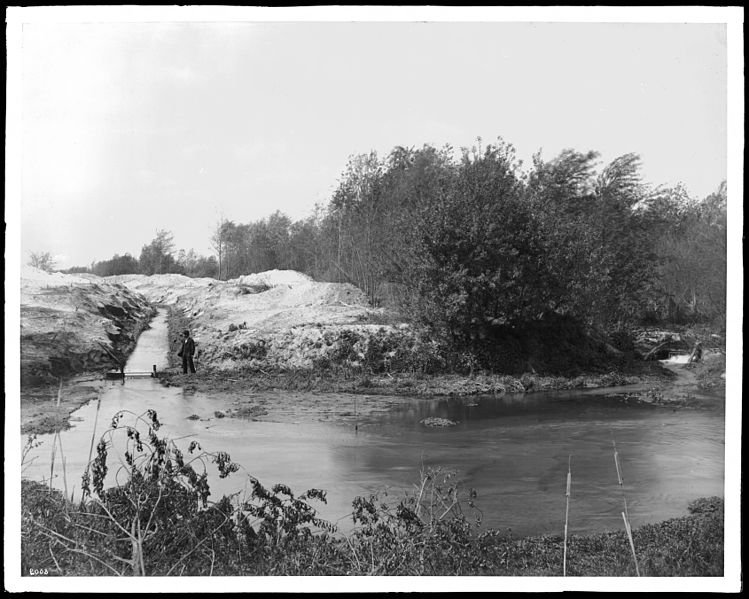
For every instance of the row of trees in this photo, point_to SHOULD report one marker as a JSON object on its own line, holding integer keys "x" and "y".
{"x": 157, "y": 257}
{"x": 475, "y": 240}
{"x": 270, "y": 243}
{"x": 469, "y": 239}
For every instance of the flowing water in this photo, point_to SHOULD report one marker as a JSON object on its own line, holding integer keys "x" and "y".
{"x": 512, "y": 449}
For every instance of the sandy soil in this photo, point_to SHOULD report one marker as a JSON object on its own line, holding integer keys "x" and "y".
{"x": 275, "y": 319}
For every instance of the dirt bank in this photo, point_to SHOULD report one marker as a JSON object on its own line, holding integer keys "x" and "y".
{"x": 273, "y": 320}
{"x": 73, "y": 329}
{"x": 280, "y": 329}
{"x": 73, "y": 324}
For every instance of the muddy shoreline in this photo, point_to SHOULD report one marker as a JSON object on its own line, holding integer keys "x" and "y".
{"x": 40, "y": 412}
{"x": 397, "y": 384}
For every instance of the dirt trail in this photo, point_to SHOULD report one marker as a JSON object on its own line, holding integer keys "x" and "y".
{"x": 685, "y": 376}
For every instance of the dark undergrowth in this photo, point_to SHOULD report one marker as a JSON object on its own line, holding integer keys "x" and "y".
{"x": 157, "y": 520}
{"x": 81, "y": 540}
{"x": 404, "y": 384}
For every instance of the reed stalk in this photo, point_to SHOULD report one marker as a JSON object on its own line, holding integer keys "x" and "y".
{"x": 52, "y": 460}
{"x": 625, "y": 513}
{"x": 567, "y": 514}
{"x": 54, "y": 443}
{"x": 628, "y": 528}
{"x": 93, "y": 433}
{"x": 64, "y": 470}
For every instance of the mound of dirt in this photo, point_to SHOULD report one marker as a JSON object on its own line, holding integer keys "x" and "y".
{"x": 273, "y": 278}
{"x": 73, "y": 324}
{"x": 279, "y": 318}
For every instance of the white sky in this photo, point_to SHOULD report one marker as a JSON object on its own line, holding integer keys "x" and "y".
{"x": 130, "y": 127}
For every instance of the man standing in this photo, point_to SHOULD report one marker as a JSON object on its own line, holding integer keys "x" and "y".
{"x": 187, "y": 352}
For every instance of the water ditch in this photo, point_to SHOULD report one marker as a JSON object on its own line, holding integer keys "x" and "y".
{"x": 513, "y": 449}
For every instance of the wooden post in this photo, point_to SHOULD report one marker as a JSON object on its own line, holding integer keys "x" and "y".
{"x": 625, "y": 513}
{"x": 567, "y": 514}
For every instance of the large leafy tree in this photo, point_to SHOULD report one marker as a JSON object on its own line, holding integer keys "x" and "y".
{"x": 479, "y": 255}
{"x": 561, "y": 195}
{"x": 599, "y": 235}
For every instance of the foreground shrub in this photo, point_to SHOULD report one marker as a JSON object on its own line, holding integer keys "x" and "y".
{"x": 426, "y": 532}
{"x": 155, "y": 519}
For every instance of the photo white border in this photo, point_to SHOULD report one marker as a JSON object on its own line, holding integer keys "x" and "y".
{"x": 732, "y": 16}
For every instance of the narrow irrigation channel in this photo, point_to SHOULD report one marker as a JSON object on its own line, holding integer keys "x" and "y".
{"x": 514, "y": 450}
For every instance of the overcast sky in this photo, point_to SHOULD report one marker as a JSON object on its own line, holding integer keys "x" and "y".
{"x": 127, "y": 128}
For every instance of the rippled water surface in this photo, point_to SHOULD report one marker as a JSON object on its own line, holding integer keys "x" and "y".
{"x": 513, "y": 450}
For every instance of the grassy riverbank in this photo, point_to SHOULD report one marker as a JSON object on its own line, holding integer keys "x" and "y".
{"x": 62, "y": 539}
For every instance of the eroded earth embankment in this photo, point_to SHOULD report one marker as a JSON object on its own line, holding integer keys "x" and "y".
{"x": 73, "y": 329}
{"x": 277, "y": 319}
{"x": 75, "y": 324}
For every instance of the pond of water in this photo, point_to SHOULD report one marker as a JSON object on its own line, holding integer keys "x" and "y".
{"x": 512, "y": 449}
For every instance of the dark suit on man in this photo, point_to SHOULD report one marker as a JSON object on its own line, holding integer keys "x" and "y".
{"x": 187, "y": 352}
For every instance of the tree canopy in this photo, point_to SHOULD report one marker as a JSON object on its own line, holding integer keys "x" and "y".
{"x": 466, "y": 241}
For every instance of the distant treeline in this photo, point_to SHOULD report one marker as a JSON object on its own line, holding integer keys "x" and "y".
{"x": 469, "y": 239}
{"x": 158, "y": 257}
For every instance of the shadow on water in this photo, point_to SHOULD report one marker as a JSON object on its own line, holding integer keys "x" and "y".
{"x": 512, "y": 449}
